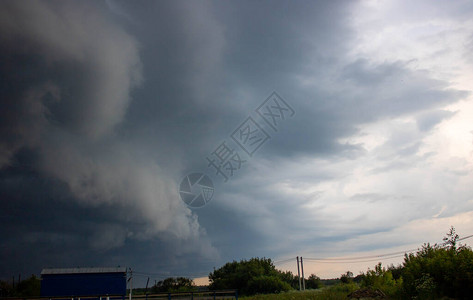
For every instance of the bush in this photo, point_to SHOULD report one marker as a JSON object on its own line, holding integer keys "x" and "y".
{"x": 171, "y": 285}
{"x": 290, "y": 279}
{"x": 439, "y": 271}
{"x": 30, "y": 287}
{"x": 347, "y": 277}
{"x": 313, "y": 282}
{"x": 254, "y": 276}
{"x": 382, "y": 279}
{"x": 345, "y": 288}
{"x": 432, "y": 272}
{"x": 267, "y": 285}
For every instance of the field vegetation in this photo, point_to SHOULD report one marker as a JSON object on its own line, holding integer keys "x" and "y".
{"x": 433, "y": 272}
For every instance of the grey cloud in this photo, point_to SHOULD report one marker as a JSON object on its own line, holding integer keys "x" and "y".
{"x": 428, "y": 120}
{"x": 369, "y": 93}
{"x": 468, "y": 50}
{"x": 370, "y": 197}
{"x": 69, "y": 72}
{"x": 47, "y": 228}
{"x": 87, "y": 66}
{"x": 362, "y": 73}
{"x": 104, "y": 112}
{"x": 394, "y": 90}
{"x": 61, "y": 61}
{"x": 115, "y": 176}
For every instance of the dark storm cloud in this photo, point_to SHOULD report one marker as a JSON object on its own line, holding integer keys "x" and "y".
{"x": 68, "y": 71}
{"x": 206, "y": 73}
{"x": 62, "y": 71}
{"x": 211, "y": 65}
{"x": 45, "y": 226}
{"x": 105, "y": 106}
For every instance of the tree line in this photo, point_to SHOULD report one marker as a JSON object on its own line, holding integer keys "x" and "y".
{"x": 433, "y": 272}
{"x": 29, "y": 287}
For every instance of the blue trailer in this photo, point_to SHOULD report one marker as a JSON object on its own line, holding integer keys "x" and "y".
{"x": 76, "y": 282}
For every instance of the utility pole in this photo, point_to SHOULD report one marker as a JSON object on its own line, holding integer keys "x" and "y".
{"x": 303, "y": 278}
{"x": 298, "y": 273}
{"x": 131, "y": 283}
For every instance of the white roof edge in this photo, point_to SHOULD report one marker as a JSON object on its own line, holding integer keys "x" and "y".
{"x": 83, "y": 270}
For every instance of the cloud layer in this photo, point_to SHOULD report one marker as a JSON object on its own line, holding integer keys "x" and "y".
{"x": 106, "y": 106}
{"x": 69, "y": 71}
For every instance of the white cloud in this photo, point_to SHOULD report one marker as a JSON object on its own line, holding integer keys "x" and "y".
{"x": 412, "y": 179}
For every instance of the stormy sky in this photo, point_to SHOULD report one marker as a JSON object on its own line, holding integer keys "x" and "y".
{"x": 107, "y": 105}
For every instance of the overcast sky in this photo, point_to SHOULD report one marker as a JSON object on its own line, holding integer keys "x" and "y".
{"x": 106, "y": 106}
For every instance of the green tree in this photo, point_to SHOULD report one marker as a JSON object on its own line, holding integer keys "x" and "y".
{"x": 347, "y": 277}
{"x": 171, "y": 284}
{"x": 257, "y": 275}
{"x": 6, "y": 289}
{"x": 30, "y": 287}
{"x": 382, "y": 279}
{"x": 433, "y": 272}
{"x": 444, "y": 271}
{"x": 451, "y": 239}
{"x": 289, "y": 278}
{"x": 267, "y": 285}
{"x": 396, "y": 271}
{"x": 313, "y": 282}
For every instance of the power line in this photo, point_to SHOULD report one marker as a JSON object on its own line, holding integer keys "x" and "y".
{"x": 333, "y": 260}
{"x": 354, "y": 261}
{"x": 367, "y": 258}
{"x": 466, "y": 237}
{"x": 283, "y": 261}
{"x": 362, "y": 257}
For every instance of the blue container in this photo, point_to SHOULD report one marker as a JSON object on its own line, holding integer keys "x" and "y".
{"x": 77, "y": 282}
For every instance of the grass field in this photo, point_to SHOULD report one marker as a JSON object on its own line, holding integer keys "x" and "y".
{"x": 330, "y": 293}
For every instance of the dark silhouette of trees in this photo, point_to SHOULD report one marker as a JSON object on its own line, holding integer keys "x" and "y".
{"x": 254, "y": 276}
{"x": 441, "y": 270}
{"x": 313, "y": 282}
{"x": 30, "y": 287}
{"x": 433, "y": 272}
{"x": 347, "y": 277}
{"x": 171, "y": 284}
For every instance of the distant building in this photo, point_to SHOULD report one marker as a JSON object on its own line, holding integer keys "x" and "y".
{"x": 75, "y": 282}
